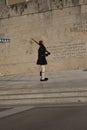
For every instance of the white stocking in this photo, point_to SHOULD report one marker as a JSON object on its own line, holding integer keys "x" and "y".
{"x": 43, "y": 71}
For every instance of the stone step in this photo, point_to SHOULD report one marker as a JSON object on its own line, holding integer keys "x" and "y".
{"x": 44, "y": 98}
{"x": 26, "y": 95}
{"x": 43, "y": 95}
{"x": 44, "y": 101}
{"x": 24, "y": 91}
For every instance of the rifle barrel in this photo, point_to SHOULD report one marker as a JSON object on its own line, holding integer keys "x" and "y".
{"x": 35, "y": 41}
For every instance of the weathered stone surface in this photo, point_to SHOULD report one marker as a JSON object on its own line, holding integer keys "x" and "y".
{"x": 63, "y": 29}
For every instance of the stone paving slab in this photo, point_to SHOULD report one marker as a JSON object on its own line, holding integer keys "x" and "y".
{"x": 14, "y": 110}
{"x": 53, "y": 77}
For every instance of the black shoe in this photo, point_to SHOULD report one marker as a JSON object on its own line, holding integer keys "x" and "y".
{"x": 44, "y": 79}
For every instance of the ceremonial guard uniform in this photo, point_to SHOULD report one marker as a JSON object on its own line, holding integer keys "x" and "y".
{"x": 42, "y": 53}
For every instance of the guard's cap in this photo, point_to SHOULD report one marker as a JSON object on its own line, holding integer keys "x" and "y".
{"x": 40, "y": 42}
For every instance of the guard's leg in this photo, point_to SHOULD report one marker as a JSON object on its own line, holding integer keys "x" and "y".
{"x": 43, "y": 73}
{"x": 40, "y": 70}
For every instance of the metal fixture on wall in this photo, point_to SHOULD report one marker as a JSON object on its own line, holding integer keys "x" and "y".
{"x": 4, "y": 40}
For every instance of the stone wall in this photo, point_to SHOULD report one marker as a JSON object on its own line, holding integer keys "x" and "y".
{"x": 2, "y": 3}
{"x": 61, "y": 24}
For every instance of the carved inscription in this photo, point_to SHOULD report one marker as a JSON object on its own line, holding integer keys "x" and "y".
{"x": 64, "y": 3}
{"x": 67, "y": 50}
{"x": 79, "y": 27}
{"x": 43, "y": 5}
{"x": 37, "y": 6}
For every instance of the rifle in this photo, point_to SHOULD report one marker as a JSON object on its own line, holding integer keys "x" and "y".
{"x": 35, "y": 41}
{"x": 39, "y": 45}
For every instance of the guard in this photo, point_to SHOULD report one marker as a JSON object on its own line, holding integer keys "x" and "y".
{"x": 42, "y": 53}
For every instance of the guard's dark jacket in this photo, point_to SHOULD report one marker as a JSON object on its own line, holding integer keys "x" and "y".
{"x": 42, "y": 55}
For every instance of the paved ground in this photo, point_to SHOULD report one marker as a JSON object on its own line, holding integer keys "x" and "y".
{"x": 4, "y": 109}
{"x": 48, "y": 118}
{"x": 67, "y": 79}
{"x": 54, "y": 77}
